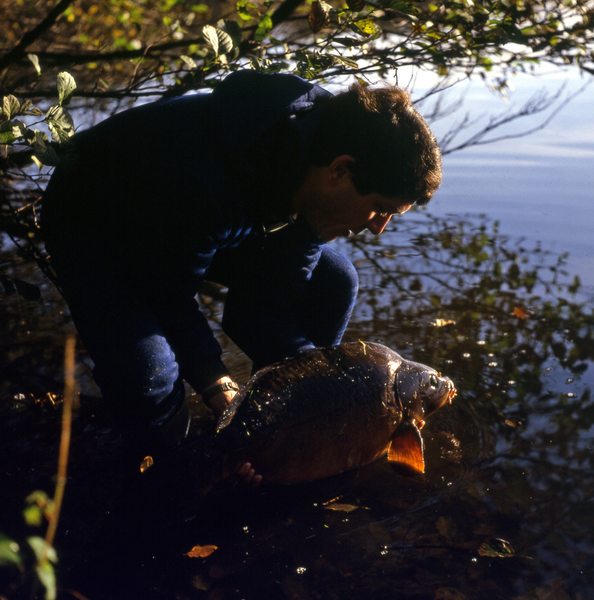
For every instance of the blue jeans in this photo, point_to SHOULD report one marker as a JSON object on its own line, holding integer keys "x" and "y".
{"x": 135, "y": 363}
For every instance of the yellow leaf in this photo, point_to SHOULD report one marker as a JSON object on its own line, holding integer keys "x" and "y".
{"x": 200, "y": 551}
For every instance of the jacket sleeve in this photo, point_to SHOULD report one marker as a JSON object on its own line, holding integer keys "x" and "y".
{"x": 265, "y": 300}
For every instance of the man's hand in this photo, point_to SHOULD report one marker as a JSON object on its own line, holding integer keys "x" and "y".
{"x": 219, "y": 402}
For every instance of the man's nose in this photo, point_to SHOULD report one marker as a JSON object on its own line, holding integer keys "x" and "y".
{"x": 378, "y": 224}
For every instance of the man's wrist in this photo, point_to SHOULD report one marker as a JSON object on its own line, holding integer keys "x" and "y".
{"x": 219, "y": 387}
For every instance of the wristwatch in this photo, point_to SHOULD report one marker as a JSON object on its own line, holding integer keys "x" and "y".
{"x": 211, "y": 392}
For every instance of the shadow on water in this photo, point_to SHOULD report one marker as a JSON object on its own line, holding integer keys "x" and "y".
{"x": 504, "y": 510}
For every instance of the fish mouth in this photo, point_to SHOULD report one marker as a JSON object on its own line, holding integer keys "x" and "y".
{"x": 444, "y": 396}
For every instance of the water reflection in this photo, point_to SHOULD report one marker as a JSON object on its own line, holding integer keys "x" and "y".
{"x": 511, "y": 459}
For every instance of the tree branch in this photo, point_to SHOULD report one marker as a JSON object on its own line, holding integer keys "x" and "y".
{"x": 19, "y": 50}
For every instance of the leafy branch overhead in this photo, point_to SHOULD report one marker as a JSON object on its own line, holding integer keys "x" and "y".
{"x": 58, "y": 120}
{"x": 118, "y": 47}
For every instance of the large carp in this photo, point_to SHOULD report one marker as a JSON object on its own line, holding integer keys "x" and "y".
{"x": 318, "y": 414}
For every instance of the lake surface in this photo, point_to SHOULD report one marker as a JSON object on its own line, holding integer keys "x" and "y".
{"x": 505, "y": 509}
{"x": 538, "y": 187}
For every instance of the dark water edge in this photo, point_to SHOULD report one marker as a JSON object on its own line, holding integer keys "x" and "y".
{"x": 511, "y": 459}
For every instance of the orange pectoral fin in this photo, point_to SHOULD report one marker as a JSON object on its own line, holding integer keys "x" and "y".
{"x": 406, "y": 448}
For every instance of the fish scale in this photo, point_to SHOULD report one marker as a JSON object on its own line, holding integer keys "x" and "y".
{"x": 323, "y": 412}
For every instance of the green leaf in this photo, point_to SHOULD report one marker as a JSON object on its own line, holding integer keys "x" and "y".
{"x": 366, "y": 28}
{"x": 66, "y": 85}
{"x": 7, "y": 133}
{"x": 60, "y": 123}
{"x": 43, "y": 150}
{"x": 33, "y": 515}
{"x": 190, "y": 62}
{"x": 9, "y": 552}
{"x": 232, "y": 29}
{"x": 217, "y": 39}
{"x": 10, "y": 107}
{"x": 41, "y": 549}
{"x": 264, "y": 28}
{"x": 242, "y": 10}
{"x": 33, "y": 58}
{"x": 347, "y": 62}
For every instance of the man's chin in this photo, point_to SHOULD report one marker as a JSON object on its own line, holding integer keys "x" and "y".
{"x": 331, "y": 235}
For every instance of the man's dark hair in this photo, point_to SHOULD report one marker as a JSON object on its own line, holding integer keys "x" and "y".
{"x": 395, "y": 153}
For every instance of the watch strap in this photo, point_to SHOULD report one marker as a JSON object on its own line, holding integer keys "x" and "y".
{"x": 211, "y": 392}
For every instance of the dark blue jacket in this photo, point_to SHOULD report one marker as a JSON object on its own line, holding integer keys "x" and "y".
{"x": 153, "y": 194}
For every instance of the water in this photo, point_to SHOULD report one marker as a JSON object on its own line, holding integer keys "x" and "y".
{"x": 538, "y": 187}
{"x": 487, "y": 300}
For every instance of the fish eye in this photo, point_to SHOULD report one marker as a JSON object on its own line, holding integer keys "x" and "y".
{"x": 433, "y": 381}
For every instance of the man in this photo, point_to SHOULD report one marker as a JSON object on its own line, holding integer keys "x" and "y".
{"x": 242, "y": 187}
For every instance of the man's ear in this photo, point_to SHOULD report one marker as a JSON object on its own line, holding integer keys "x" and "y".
{"x": 340, "y": 168}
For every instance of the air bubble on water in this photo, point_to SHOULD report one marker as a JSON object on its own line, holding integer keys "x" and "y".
{"x": 300, "y": 570}
{"x": 466, "y": 355}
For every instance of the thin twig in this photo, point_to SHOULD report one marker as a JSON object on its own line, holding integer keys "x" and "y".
{"x": 69, "y": 388}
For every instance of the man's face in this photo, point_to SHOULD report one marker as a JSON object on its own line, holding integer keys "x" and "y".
{"x": 332, "y": 206}
{"x": 350, "y": 213}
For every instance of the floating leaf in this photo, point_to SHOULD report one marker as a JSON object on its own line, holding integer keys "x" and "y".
{"x": 521, "y": 313}
{"x": 66, "y": 85}
{"x": 201, "y": 551}
{"x": 496, "y": 547}
{"x": 442, "y": 322}
{"x": 341, "y": 507}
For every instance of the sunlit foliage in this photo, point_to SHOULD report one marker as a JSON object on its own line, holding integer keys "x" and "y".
{"x": 116, "y": 46}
